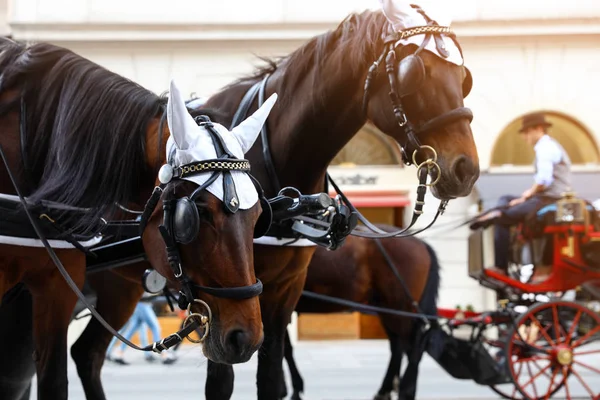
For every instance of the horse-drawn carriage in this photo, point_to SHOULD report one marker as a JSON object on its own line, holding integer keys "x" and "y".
{"x": 530, "y": 349}
{"x": 73, "y": 140}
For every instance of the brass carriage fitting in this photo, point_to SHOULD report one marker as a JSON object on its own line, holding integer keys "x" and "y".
{"x": 503, "y": 303}
{"x": 564, "y": 356}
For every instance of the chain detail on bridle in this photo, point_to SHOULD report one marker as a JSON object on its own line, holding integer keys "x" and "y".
{"x": 211, "y": 165}
{"x": 420, "y": 30}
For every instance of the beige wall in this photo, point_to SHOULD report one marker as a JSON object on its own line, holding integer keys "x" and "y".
{"x": 201, "y": 67}
{"x": 513, "y": 76}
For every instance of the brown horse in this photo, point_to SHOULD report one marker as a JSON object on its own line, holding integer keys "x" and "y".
{"x": 78, "y": 135}
{"x": 321, "y": 87}
{"x": 359, "y": 272}
{"x": 320, "y": 110}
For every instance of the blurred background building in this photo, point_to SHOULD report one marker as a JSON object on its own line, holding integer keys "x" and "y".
{"x": 524, "y": 56}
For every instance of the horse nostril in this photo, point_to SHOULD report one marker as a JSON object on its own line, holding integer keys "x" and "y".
{"x": 463, "y": 169}
{"x": 238, "y": 340}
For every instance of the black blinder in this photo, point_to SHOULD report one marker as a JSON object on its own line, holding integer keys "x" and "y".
{"x": 411, "y": 74}
{"x": 186, "y": 221}
{"x": 264, "y": 220}
{"x": 467, "y": 83}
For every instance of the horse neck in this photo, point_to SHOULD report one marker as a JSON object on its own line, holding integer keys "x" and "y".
{"x": 324, "y": 113}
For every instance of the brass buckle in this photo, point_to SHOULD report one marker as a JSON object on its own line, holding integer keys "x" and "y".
{"x": 430, "y": 163}
{"x": 424, "y": 147}
{"x": 204, "y": 320}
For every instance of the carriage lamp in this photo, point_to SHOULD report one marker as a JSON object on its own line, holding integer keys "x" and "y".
{"x": 570, "y": 209}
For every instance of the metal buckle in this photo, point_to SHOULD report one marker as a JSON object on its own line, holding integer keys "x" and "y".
{"x": 424, "y": 147}
{"x": 204, "y": 320}
{"x": 430, "y": 163}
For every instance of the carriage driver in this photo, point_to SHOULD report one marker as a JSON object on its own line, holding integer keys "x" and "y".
{"x": 552, "y": 178}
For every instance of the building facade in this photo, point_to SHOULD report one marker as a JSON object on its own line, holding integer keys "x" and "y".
{"x": 524, "y": 56}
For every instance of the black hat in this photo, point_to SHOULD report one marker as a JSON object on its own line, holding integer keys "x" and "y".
{"x": 534, "y": 119}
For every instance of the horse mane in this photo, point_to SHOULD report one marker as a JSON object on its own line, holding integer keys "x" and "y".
{"x": 85, "y": 128}
{"x": 351, "y": 45}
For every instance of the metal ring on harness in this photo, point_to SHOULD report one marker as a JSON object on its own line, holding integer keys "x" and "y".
{"x": 423, "y": 147}
{"x": 204, "y": 320}
{"x": 430, "y": 164}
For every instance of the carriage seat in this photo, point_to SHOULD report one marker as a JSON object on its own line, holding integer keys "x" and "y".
{"x": 564, "y": 212}
{"x": 569, "y": 215}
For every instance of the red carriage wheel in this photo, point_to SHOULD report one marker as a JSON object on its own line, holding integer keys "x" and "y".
{"x": 509, "y": 391}
{"x": 555, "y": 347}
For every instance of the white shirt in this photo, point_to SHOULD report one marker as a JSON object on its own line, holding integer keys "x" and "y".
{"x": 548, "y": 153}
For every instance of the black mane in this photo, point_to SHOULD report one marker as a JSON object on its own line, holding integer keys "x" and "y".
{"x": 85, "y": 127}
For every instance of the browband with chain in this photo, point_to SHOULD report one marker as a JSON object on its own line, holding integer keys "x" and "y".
{"x": 211, "y": 165}
{"x": 420, "y": 30}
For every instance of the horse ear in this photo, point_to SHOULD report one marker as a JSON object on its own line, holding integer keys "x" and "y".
{"x": 181, "y": 124}
{"x": 247, "y": 132}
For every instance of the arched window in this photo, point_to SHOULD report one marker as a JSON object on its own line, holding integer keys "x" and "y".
{"x": 577, "y": 141}
{"x": 369, "y": 146}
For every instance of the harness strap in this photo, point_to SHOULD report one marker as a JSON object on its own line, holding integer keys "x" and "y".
{"x": 150, "y": 206}
{"x": 233, "y": 293}
{"x": 266, "y": 150}
{"x": 390, "y": 263}
{"x": 69, "y": 238}
{"x": 450, "y": 116}
{"x": 258, "y": 89}
{"x": 417, "y": 211}
{"x": 367, "y": 308}
{"x": 23, "y": 138}
{"x": 247, "y": 100}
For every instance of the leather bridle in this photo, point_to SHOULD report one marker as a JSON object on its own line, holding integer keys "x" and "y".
{"x": 224, "y": 164}
{"x": 412, "y": 144}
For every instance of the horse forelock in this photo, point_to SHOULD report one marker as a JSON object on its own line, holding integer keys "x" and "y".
{"x": 86, "y": 127}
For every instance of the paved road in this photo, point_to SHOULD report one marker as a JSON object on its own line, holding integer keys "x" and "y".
{"x": 345, "y": 370}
